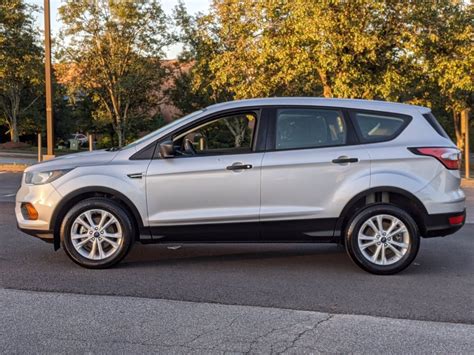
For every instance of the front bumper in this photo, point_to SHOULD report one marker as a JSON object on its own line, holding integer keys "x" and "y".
{"x": 44, "y": 199}
{"x": 438, "y": 225}
{"x": 46, "y": 236}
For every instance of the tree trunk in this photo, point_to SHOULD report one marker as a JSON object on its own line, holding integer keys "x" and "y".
{"x": 457, "y": 130}
{"x": 119, "y": 131}
{"x": 327, "y": 91}
{"x": 14, "y": 120}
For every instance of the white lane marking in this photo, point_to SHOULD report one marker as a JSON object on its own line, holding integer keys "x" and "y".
{"x": 9, "y": 195}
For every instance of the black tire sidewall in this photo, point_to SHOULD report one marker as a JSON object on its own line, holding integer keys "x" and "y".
{"x": 97, "y": 203}
{"x": 351, "y": 239}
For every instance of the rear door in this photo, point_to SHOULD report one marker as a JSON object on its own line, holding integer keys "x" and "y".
{"x": 312, "y": 167}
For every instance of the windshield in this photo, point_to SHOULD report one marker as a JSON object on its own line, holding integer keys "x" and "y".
{"x": 159, "y": 130}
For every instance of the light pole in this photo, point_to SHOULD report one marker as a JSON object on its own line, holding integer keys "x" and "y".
{"x": 48, "y": 82}
{"x": 465, "y": 129}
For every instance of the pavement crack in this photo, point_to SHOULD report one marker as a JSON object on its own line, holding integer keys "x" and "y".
{"x": 273, "y": 330}
{"x": 301, "y": 334}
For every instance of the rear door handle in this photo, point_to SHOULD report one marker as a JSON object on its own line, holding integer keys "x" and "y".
{"x": 345, "y": 160}
{"x": 239, "y": 166}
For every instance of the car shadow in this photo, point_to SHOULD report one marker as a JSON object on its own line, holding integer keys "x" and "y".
{"x": 287, "y": 255}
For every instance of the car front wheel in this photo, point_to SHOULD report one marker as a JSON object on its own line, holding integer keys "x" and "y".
{"x": 382, "y": 239}
{"x": 97, "y": 233}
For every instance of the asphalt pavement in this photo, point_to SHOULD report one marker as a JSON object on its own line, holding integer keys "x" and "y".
{"x": 317, "y": 279}
{"x": 37, "y": 322}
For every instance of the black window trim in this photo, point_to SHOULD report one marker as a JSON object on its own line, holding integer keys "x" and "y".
{"x": 434, "y": 123}
{"x": 351, "y": 138}
{"x": 259, "y": 137}
{"x": 406, "y": 121}
{"x": 265, "y": 133}
{"x": 257, "y": 111}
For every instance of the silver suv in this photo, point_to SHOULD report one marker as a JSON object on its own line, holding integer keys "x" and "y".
{"x": 374, "y": 176}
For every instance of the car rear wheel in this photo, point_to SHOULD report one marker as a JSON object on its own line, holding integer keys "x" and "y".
{"x": 97, "y": 233}
{"x": 382, "y": 239}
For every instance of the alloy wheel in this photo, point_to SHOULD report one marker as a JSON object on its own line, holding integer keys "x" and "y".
{"x": 383, "y": 239}
{"x": 96, "y": 234}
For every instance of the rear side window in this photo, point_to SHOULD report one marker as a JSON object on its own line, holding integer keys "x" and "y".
{"x": 379, "y": 127}
{"x": 435, "y": 124}
{"x": 309, "y": 128}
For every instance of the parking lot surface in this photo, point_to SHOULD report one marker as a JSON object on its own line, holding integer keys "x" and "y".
{"x": 439, "y": 286}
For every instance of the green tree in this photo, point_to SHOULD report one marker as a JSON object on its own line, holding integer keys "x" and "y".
{"x": 21, "y": 67}
{"x": 443, "y": 43}
{"x": 406, "y": 51}
{"x": 115, "y": 47}
{"x": 302, "y": 47}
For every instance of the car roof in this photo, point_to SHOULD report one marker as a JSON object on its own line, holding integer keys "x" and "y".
{"x": 375, "y": 105}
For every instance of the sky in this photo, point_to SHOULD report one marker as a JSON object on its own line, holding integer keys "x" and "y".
{"x": 171, "y": 52}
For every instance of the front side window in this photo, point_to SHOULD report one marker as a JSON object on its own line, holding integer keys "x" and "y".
{"x": 309, "y": 128}
{"x": 231, "y": 134}
{"x": 375, "y": 127}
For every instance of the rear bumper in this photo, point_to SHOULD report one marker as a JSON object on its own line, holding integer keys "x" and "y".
{"x": 438, "y": 225}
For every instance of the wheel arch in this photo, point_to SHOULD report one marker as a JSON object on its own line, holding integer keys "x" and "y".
{"x": 393, "y": 195}
{"x": 87, "y": 192}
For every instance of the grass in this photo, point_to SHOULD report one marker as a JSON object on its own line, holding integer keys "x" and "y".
{"x": 13, "y": 167}
{"x": 34, "y": 151}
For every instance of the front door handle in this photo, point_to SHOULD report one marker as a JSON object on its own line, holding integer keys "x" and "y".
{"x": 135, "y": 175}
{"x": 239, "y": 166}
{"x": 344, "y": 160}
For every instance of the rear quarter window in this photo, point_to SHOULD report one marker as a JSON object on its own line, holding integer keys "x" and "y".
{"x": 378, "y": 127}
{"x": 435, "y": 124}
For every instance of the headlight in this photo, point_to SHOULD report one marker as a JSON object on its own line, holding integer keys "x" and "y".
{"x": 43, "y": 177}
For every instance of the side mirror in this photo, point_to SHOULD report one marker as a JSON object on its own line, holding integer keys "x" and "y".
{"x": 167, "y": 149}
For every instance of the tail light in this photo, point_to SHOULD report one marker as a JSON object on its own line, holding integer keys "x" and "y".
{"x": 449, "y": 157}
{"x": 455, "y": 220}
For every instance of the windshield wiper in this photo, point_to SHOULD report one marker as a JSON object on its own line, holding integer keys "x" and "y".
{"x": 113, "y": 149}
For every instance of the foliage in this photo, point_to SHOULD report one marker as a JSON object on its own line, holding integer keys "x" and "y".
{"x": 20, "y": 68}
{"x": 415, "y": 52}
{"x": 114, "y": 48}
{"x": 443, "y": 44}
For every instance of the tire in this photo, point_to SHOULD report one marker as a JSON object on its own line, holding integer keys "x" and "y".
{"x": 396, "y": 251}
{"x": 83, "y": 226}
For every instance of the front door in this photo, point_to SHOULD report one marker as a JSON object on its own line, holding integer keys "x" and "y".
{"x": 309, "y": 172}
{"x": 210, "y": 190}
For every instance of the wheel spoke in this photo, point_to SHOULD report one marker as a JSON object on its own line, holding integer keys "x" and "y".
{"x": 366, "y": 237}
{"x": 373, "y": 226}
{"x": 395, "y": 250}
{"x": 79, "y": 236}
{"x": 102, "y": 219}
{"x": 88, "y": 216}
{"x": 383, "y": 258}
{"x": 109, "y": 222}
{"x": 101, "y": 251}
{"x": 83, "y": 223}
{"x": 398, "y": 231}
{"x": 380, "y": 223}
{"x": 84, "y": 242}
{"x": 93, "y": 249}
{"x": 366, "y": 245}
{"x": 376, "y": 253}
{"x": 400, "y": 245}
{"x": 111, "y": 242}
{"x": 112, "y": 235}
{"x": 393, "y": 223}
